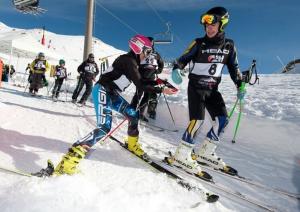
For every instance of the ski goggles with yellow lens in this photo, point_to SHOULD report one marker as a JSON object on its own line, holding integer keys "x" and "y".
{"x": 209, "y": 19}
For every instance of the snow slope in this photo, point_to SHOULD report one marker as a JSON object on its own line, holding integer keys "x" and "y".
{"x": 59, "y": 46}
{"x": 36, "y": 129}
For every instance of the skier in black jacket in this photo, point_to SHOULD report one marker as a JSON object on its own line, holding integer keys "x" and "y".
{"x": 60, "y": 76}
{"x": 209, "y": 54}
{"x": 88, "y": 71}
{"x": 106, "y": 95}
{"x": 149, "y": 68}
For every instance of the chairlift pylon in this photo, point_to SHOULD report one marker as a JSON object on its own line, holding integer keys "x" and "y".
{"x": 28, "y": 6}
{"x": 164, "y": 37}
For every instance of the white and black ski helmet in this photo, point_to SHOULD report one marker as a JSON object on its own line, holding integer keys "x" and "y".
{"x": 220, "y": 15}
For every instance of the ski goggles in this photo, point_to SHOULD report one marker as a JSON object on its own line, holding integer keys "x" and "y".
{"x": 147, "y": 51}
{"x": 210, "y": 19}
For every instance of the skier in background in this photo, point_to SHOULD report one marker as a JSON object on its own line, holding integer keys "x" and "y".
{"x": 5, "y": 73}
{"x": 38, "y": 68}
{"x": 60, "y": 76}
{"x": 88, "y": 71}
{"x": 12, "y": 71}
{"x": 209, "y": 55}
{"x": 112, "y": 82}
{"x": 149, "y": 68}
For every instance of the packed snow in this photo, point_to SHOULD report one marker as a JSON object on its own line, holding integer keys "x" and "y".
{"x": 34, "y": 129}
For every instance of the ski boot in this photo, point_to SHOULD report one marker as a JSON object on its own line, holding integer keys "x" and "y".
{"x": 69, "y": 162}
{"x": 133, "y": 146}
{"x": 183, "y": 160}
{"x": 207, "y": 156}
{"x": 74, "y": 101}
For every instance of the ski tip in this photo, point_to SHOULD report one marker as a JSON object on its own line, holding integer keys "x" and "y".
{"x": 205, "y": 176}
{"x": 229, "y": 170}
{"x": 211, "y": 198}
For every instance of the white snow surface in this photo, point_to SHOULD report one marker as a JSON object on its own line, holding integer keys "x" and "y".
{"x": 33, "y": 130}
{"x": 36, "y": 129}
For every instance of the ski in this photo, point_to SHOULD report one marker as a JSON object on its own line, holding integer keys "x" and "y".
{"x": 208, "y": 197}
{"x": 252, "y": 182}
{"x": 16, "y": 171}
{"x": 144, "y": 124}
{"x": 235, "y": 195}
{"x": 156, "y": 128}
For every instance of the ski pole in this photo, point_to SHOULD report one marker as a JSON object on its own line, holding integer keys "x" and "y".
{"x": 242, "y": 89}
{"x": 112, "y": 131}
{"x": 232, "y": 110}
{"x": 50, "y": 88}
{"x": 169, "y": 109}
{"x": 66, "y": 90}
{"x": 238, "y": 122}
{"x": 247, "y": 75}
{"x": 26, "y": 87}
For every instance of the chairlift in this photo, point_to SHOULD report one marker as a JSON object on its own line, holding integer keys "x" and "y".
{"x": 164, "y": 37}
{"x": 28, "y": 6}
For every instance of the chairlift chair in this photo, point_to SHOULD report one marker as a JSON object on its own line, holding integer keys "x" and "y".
{"x": 164, "y": 37}
{"x": 28, "y": 6}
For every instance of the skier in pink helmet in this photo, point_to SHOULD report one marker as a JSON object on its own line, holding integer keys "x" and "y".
{"x": 107, "y": 90}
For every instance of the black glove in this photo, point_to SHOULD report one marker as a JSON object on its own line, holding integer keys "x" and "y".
{"x": 238, "y": 83}
{"x": 176, "y": 66}
{"x": 158, "y": 89}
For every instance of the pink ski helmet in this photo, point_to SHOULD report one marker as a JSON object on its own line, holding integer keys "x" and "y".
{"x": 139, "y": 44}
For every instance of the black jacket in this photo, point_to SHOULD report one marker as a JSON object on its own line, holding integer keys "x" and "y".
{"x": 88, "y": 70}
{"x": 152, "y": 65}
{"x": 125, "y": 69}
{"x": 209, "y": 55}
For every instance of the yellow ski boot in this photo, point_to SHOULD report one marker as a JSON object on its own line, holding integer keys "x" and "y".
{"x": 134, "y": 146}
{"x": 69, "y": 162}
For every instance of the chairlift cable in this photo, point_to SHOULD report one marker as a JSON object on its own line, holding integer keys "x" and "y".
{"x": 116, "y": 17}
{"x": 157, "y": 14}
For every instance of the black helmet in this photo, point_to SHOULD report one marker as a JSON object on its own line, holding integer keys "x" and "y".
{"x": 41, "y": 55}
{"x": 216, "y": 14}
{"x": 91, "y": 57}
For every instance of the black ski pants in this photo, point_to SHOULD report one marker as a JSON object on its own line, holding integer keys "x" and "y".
{"x": 199, "y": 99}
{"x": 88, "y": 89}
{"x": 57, "y": 86}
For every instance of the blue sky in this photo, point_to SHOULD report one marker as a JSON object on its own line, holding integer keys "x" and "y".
{"x": 261, "y": 29}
